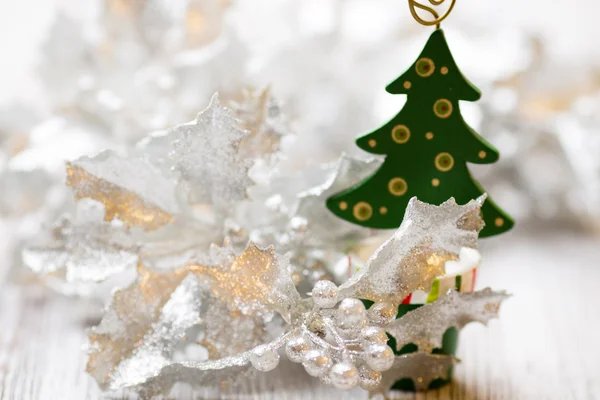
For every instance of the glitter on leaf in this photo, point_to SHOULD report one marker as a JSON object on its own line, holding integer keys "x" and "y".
{"x": 223, "y": 301}
{"x": 416, "y": 254}
{"x": 83, "y": 247}
{"x": 206, "y": 153}
{"x": 422, "y": 368}
{"x": 132, "y": 190}
{"x": 426, "y": 325}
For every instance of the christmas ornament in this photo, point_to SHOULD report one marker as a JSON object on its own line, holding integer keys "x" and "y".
{"x": 427, "y": 146}
{"x": 225, "y": 314}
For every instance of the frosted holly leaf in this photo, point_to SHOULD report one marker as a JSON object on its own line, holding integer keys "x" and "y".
{"x": 422, "y": 368}
{"x": 132, "y": 190}
{"x": 323, "y": 226}
{"x": 220, "y": 303}
{"x": 416, "y": 254}
{"x": 83, "y": 248}
{"x": 260, "y": 115}
{"x": 218, "y": 373}
{"x": 255, "y": 282}
{"x": 206, "y": 152}
{"x": 426, "y": 325}
{"x": 141, "y": 327}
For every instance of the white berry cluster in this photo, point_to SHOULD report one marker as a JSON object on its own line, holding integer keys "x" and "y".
{"x": 346, "y": 346}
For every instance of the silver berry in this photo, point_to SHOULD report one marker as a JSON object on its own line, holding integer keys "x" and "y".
{"x": 296, "y": 348}
{"x": 368, "y": 379}
{"x": 351, "y": 314}
{"x": 344, "y": 375}
{"x": 324, "y": 294}
{"x": 373, "y": 335}
{"x": 382, "y": 313}
{"x": 264, "y": 359}
{"x": 317, "y": 363}
{"x": 379, "y": 357}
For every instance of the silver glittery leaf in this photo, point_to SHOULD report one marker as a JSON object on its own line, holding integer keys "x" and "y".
{"x": 221, "y": 302}
{"x": 428, "y": 237}
{"x": 131, "y": 189}
{"x": 206, "y": 154}
{"x": 179, "y": 313}
{"x": 426, "y": 325}
{"x": 422, "y": 368}
{"x": 130, "y": 321}
{"x": 83, "y": 248}
{"x": 212, "y": 373}
{"x": 255, "y": 282}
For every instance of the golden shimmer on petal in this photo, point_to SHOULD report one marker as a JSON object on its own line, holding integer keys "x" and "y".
{"x": 482, "y": 154}
{"x": 248, "y": 280}
{"x": 343, "y": 205}
{"x": 435, "y": 182}
{"x": 243, "y": 287}
{"x": 119, "y": 203}
{"x": 431, "y": 263}
{"x": 499, "y": 222}
{"x": 372, "y": 143}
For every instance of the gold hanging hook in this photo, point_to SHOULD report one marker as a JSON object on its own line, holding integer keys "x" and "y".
{"x": 414, "y": 4}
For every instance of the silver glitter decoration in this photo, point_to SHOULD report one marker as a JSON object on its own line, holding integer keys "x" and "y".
{"x": 179, "y": 312}
{"x": 221, "y": 303}
{"x": 426, "y": 325}
{"x": 206, "y": 154}
{"x": 422, "y": 368}
{"x": 324, "y": 294}
{"x": 428, "y": 237}
{"x": 145, "y": 196}
{"x": 263, "y": 358}
{"x": 224, "y": 303}
{"x": 83, "y": 248}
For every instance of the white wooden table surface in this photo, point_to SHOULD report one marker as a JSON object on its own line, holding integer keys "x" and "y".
{"x": 545, "y": 346}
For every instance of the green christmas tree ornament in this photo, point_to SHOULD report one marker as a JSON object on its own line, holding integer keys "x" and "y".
{"x": 427, "y": 147}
